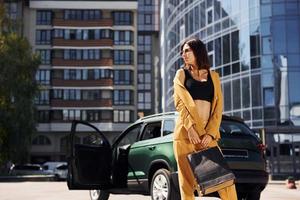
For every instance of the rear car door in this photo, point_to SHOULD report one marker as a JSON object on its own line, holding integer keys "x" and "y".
{"x": 89, "y": 161}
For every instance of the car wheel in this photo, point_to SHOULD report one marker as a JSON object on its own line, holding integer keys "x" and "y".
{"x": 99, "y": 195}
{"x": 161, "y": 187}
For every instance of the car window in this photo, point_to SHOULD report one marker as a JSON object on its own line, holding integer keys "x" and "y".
{"x": 151, "y": 130}
{"x": 232, "y": 127}
{"x": 130, "y": 136}
{"x": 168, "y": 127}
{"x": 62, "y": 167}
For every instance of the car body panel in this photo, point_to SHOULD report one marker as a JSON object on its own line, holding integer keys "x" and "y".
{"x": 144, "y": 157}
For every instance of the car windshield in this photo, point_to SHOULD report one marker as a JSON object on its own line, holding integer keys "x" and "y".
{"x": 233, "y": 128}
{"x": 62, "y": 167}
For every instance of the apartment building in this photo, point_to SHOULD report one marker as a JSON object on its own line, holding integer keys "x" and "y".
{"x": 89, "y": 64}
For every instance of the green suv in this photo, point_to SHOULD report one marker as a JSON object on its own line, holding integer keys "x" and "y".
{"x": 141, "y": 159}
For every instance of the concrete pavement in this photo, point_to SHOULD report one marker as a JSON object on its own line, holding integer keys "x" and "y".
{"x": 276, "y": 190}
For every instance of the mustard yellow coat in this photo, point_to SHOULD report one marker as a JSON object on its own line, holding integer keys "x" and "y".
{"x": 188, "y": 116}
{"x": 186, "y": 107}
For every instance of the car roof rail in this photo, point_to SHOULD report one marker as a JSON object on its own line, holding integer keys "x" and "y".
{"x": 159, "y": 115}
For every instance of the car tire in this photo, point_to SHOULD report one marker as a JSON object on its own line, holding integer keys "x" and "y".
{"x": 162, "y": 187}
{"x": 99, "y": 195}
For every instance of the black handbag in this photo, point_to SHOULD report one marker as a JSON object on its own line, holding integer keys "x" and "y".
{"x": 210, "y": 170}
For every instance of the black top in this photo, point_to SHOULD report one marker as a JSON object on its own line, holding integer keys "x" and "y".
{"x": 197, "y": 89}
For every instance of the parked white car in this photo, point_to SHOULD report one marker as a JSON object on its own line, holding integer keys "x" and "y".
{"x": 27, "y": 169}
{"x": 61, "y": 171}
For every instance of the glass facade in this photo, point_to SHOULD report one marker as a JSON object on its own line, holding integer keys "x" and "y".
{"x": 253, "y": 45}
{"x": 148, "y": 77}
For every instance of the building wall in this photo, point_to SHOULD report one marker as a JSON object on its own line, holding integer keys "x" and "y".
{"x": 148, "y": 58}
{"x": 88, "y": 72}
{"x": 253, "y": 45}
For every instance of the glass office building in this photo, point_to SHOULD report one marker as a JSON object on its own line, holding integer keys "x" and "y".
{"x": 148, "y": 73}
{"x": 254, "y": 45}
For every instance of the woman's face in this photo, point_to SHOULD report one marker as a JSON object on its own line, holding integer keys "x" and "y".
{"x": 188, "y": 55}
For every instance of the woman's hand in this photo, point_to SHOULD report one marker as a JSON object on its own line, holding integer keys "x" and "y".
{"x": 193, "y": 136}
{"x": 206, "y": 140}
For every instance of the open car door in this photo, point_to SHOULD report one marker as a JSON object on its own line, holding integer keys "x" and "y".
{"x": 89, "y": 158}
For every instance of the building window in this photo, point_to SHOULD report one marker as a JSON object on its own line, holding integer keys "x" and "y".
{"x": 43, "y": 76}
{"x": 42, "y": 98}
{"x": 57, "y": 94}
{"x": 123, "y": 57}
{"x": 56, "y": 115}
{"x": 85, "y": 74}
{"x": 209, "y": 15}
{"x": 122, "y": 116}
{"x": 41, "y": 140}
{"x": 43, "y": 37}
{"x": 58, "y": 33}
{"x": 11, "y": 9}
{"x": 144, "y": 81}
{"x": 226, "y": 49}
{"x": 148, "y": 19}
{"x": 82, "y": 14}
{"x": 43, "y": 17}
{"x": 91, "y": 94}
{"x": 82, "y": 54}
{"x": 123, "y": 37}
{"x": 45, "y": 55}
{"x": 123, "y": 97}
{"x": 97, "y": 115}
{"x": 144, "y": 100}
{"x": 269, "y": 99}
{"x": 43, "y": 116}
{"x": 123, "y": 77}
{"x": 86, "y": 34}
{"x": 148, "y": 2}
{"x": 144, "y": 61}
{"x": 123, "y": 18}
{"x": 73, "y": 94}
{"x": 106, "y": 34}
{"x": 69, "y": 115}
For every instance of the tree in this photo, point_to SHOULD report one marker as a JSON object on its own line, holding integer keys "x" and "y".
{"x": 18, "y": 88}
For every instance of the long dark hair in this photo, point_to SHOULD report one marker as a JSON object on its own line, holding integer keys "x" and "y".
{"x": 199, "y": 50}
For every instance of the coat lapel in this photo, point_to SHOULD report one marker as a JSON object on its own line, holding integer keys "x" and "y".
{"x": 188, "y": 100}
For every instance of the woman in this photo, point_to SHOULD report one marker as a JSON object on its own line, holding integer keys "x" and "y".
{"x": 198, "y": 99}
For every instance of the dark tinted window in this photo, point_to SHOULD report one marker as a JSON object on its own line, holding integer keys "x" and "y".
{"x": 130, "y": 136}
{"x": 232, "y": 128}
{"x": 152, "y": 130}
{"x": 27, "y": 167}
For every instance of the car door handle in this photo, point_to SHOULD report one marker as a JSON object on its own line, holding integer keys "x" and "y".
{"x": 152, "y": 148}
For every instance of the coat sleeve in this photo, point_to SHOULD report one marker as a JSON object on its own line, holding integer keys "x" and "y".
{"x": 214, "y": 121}
{"x": 184, "y": 114}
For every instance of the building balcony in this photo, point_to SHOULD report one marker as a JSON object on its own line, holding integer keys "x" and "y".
{"x": 83, "y": 23}
{"x": 60, "y": 42}
{"x": 101, "y": 62}
{"x": 84, "y": 83}
{"x": 81, "y": 103}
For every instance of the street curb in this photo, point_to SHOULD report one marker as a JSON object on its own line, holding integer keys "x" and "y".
{"x": 281, "y": 182}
